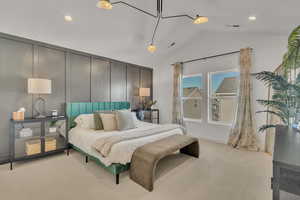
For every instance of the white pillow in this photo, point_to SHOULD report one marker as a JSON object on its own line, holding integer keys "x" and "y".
{"x": 85, "y": 121}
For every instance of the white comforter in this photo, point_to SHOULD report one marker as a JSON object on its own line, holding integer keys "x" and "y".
{"x": 120, "y": 153}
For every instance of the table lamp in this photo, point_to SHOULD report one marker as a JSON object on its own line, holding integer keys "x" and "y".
{"x": 39, "y": 86}
{"x": 144, "y": 92}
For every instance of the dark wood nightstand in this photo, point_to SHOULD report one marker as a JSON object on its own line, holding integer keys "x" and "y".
{"x": 286, "y": 163}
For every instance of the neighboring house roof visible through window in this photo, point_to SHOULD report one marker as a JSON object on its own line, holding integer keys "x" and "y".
{"x": 192, "y": 92}
{"x": 228, "y": 86}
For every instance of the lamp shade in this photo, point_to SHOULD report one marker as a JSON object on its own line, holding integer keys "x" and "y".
{"x": 39, "y": 86}
{"x": 144, "y": 92}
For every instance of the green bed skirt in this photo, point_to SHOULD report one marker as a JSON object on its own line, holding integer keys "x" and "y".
{"x": 113, "y": 168}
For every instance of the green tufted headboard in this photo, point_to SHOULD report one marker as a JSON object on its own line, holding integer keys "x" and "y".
{"x": 75, "y": 109}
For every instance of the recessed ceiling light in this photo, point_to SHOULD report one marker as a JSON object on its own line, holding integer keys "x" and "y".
{"x": 252, "y": 18}
{"x": 68, "y": 18}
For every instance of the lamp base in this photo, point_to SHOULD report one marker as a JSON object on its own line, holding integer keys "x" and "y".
{"x": 39, "y": 113}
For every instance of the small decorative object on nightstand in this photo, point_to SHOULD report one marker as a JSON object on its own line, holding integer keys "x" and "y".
{"x": 151, "y": 115}
{"x": 37, "y": 137}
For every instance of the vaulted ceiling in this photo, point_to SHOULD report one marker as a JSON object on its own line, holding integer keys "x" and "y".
{"x": 122, "y": 33}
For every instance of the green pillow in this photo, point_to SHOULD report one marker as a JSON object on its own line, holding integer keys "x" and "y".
{"x": 98, "y": 121}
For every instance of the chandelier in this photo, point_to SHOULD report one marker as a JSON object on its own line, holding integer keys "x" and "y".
{"x": 106, "y": 4}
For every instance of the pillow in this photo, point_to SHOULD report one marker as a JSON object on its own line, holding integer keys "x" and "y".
{"x": 109, "y": 121}
{"x": 85, "y": 121}
{"x": 98, "y": 120}
{"x": 125, "y": 120}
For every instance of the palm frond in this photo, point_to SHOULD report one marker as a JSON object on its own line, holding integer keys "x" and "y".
{"x": 266, "y": 126}
{"x": 297, "y": 81}
{"x": 282, "y": 116}
{"x": 294, "y": 38}
{"x": 290, "y": 59}
{"x": 273, "y": 103}
{"x": 278, "y": 82}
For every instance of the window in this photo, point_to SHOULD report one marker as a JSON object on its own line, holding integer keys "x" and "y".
{"x": 222, "y": 97}
{"x": 192, "y": 97}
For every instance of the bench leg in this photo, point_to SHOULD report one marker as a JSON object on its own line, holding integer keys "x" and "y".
{"x": 117, "y": 179}
{"x": 191, "y": 150}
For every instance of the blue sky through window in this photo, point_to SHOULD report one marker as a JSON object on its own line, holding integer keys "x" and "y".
{"x": 217, "y": 78}
{"x": 195, "y": 81}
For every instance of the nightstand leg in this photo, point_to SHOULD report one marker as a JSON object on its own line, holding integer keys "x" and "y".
{"x": 68, "y": 151}
{"x": 117, "y": 179}
{"x": 86, "y": 159}
{"x": 11, "y": 165}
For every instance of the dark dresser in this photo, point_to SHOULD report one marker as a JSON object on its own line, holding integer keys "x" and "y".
{"x": 286, "y": 164}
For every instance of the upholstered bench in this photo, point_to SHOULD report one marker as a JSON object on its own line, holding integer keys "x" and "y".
{"x": 146, "y": 157}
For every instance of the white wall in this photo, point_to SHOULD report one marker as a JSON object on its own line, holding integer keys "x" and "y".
{"x": 267, "y": 55}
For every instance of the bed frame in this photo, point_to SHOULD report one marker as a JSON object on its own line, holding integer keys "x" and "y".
{"x": 75, "y": 109}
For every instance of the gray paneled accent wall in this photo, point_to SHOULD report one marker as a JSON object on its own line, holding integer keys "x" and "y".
{"x": 51, "y": 64}
{"x": 133, "y": 84}
{"x": 100, "y": 80}
{"x": 76, "y": 76}
{"x": 16, "y": 60}
{"x": 80, "y": 86}
{"x": 118, "y": 81}
{"x": 146, "y": 81}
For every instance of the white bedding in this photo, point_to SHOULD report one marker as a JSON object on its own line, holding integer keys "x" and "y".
{"x": 84, "y": 138}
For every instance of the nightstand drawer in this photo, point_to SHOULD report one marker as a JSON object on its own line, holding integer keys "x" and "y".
{"x": 289, "y": 174}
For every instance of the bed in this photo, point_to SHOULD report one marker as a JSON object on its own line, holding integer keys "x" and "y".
{"x": 118, "y": 161}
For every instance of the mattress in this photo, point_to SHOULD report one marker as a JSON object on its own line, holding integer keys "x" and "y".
{"x": 121, "y": 153}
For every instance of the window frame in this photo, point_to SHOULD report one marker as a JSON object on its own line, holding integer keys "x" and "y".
{"x": 184, "y": 98}
{"x": 209, "y": 96}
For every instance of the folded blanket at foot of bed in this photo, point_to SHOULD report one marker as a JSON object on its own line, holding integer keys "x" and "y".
{"x": 104, "y": 145}
{"x": 146, "y": 157}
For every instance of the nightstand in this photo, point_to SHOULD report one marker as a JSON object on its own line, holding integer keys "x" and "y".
{"x": 151, "y": 116}
{"x": 37, "y": 137}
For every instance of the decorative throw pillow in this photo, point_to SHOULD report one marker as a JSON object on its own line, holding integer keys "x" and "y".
{"x": 125, "y": 120}
{"x": 98, "y": 120}
{"x": 85, "y": 121}
{"x": 109, "y": 121}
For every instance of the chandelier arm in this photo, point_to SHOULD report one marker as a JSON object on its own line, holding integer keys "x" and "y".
{"x": 138, "y": 9}
{"x": 177, "y": 16}
{"x": 154, "y": 33}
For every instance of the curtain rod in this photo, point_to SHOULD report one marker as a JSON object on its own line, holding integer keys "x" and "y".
{"x": 208, "y": 57}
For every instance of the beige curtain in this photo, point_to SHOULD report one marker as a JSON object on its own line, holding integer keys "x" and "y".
{"x": 177, "y": 116}
{"x": 243, "y": 133}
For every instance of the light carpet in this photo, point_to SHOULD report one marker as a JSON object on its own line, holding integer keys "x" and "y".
{"x": 220, "y": 173}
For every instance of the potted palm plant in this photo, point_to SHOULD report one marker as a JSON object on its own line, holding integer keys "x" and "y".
{"x": 285, "y": 101}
